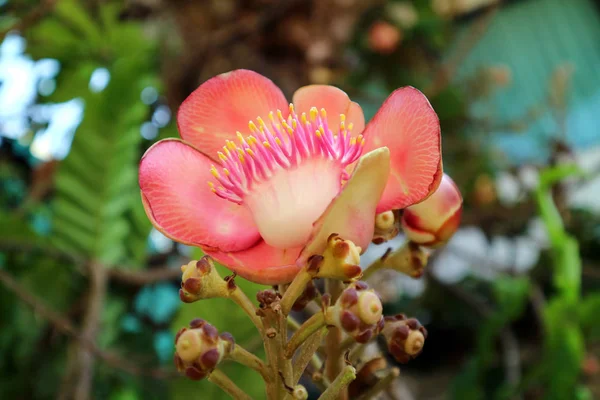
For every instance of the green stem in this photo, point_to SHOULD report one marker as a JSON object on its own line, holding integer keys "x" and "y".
{"x": 244, "y": 357}
{"x": 220, "y": 379}
{"x": 306, "y": 354}
{"x": 240, "y": 298}
{"x": 295, "y": 290}
{"x": 309, "y": 327}
{"x": 340, "y": 384}
{"x": 334, "y": 357}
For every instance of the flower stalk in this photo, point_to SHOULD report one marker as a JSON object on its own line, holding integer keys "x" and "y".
{"x": 340, "y": 384}
{"x": 220, "y": 379}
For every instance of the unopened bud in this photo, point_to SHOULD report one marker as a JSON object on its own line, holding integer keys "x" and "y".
{"x": 433, "y": 221}
{"x": 299, "y": 393}
{"x": 340, "y": 260}
{"x": 358, "y": 312}
{"x": 308, "y": 295}
{"x": 410, "y": 259}
{"x": 199, "y": 349}
{"x": 405, "y": 338}
{"x": 201, "y": 280}
{"x": 386, "y": 227}
{"x": 267, "y": 297}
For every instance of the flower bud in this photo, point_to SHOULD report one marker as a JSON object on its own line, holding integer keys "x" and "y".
{"x": 386, "y": 227}
{"x": 308, "y": 295}
{"x": 299, "y": 393}
{"x": 201, "y": 280}
{"x": 410, "y": 259}
{"x": 384, "y": 37}
{"x": 357, "y": 312}
{"x": 433, "y": 221}
{"x": 340, "y": 260}
{"x": 404, "y": 337}
{"x": 199, "y": 349}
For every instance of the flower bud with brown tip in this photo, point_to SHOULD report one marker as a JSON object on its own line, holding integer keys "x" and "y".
{"x": 199, "y": 349}
{"x": 386, "y": 227}
{"x": 201, "y": 280}
{"x": 308, "y": 295}
{"x": 405, "y": 338}
{"x": 340, "y": 260}
{"x": 433, "y": 221}
{"x": 357, "y": 312}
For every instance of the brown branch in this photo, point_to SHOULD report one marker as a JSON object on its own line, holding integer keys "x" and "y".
{"x": 144, "y": 277}
{"x": 35, "y": 15}
{"x": 66, "y": 327}
{"x": 131, "y": 275}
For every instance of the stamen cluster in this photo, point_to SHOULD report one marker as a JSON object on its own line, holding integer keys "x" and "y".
{"x": 283, "y": 144}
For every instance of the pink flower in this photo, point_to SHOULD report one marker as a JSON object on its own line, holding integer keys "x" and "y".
{"x": 262, "y": 201}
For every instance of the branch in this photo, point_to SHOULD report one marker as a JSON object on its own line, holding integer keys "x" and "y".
{"x": 144, "y": 277}
{"x": 35, "y": 15}
{"x": 66, "y": 327}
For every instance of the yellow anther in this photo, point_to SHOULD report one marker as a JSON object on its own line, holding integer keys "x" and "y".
{"x": 287, "y": 127}
{"x": 251, "y": 140}
{"x": 252, "y": 126}
{"x": 250, "y": 152}
{"x": 260, "y": 122}
{"x": 226, "y": 171}
{"x": 280, "y": 115}
{"x": 314, "y": 113}
{"x": 221, "y": 156}
{"x": 278, "y": 141}
{"x": 240, "y": 137}
{"x": 272, "y": 116}
{"x": 342, "y": 118}
{"x": 352, "y": 141}
{"x": 350, "y": 126}
{"x": 294, "y": 124}
{"x": 304, "y": 119}
{"x": 322, "y": 130}
{"x": 323, "y": 113}
{"x": 318, "y": 133}
{"x": 292, "y": 109}
{"x": 212, "y": 185}
{"x": 267, "y": 145}
{"x": 214, "y": 171}
{"x": 241, "y": 155}
{"x": 213, "y": 190}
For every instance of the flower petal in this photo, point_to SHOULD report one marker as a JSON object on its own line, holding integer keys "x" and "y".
{"x": 410, "y": 128}
{"x": 261, "y": 264}
{"x": 173, "y": 179}
{"x": 334, "y": 100}
{"x": 352, "y": 213}
{"x": 223, "y": 105}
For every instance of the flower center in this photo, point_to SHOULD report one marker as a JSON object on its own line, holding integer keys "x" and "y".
{"x": 286, "y": 172}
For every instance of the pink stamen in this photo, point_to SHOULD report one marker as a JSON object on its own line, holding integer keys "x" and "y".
{"x": 283, "y": 144}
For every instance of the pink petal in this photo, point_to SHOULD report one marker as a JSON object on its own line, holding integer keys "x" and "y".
{"x": 261, "y": 264}
{"x": 223, "y": 105}
{"x": 352, "y": 213}
{"x": 335, "y": 101}
{"x": 410, "y": 128}
{"x": 173, "y": 178}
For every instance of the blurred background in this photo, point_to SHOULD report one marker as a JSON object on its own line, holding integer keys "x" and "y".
{"x": 88, "y": 290}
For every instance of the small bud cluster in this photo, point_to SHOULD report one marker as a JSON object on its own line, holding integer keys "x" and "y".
{"x": 405, "y": 338}
{"x": 358, "y": 312}
{"x": 340, "y": 260}
{"x": 201, "y": 280}
{"x": 386, "y": 227}
{"x": 199, "y": 348}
